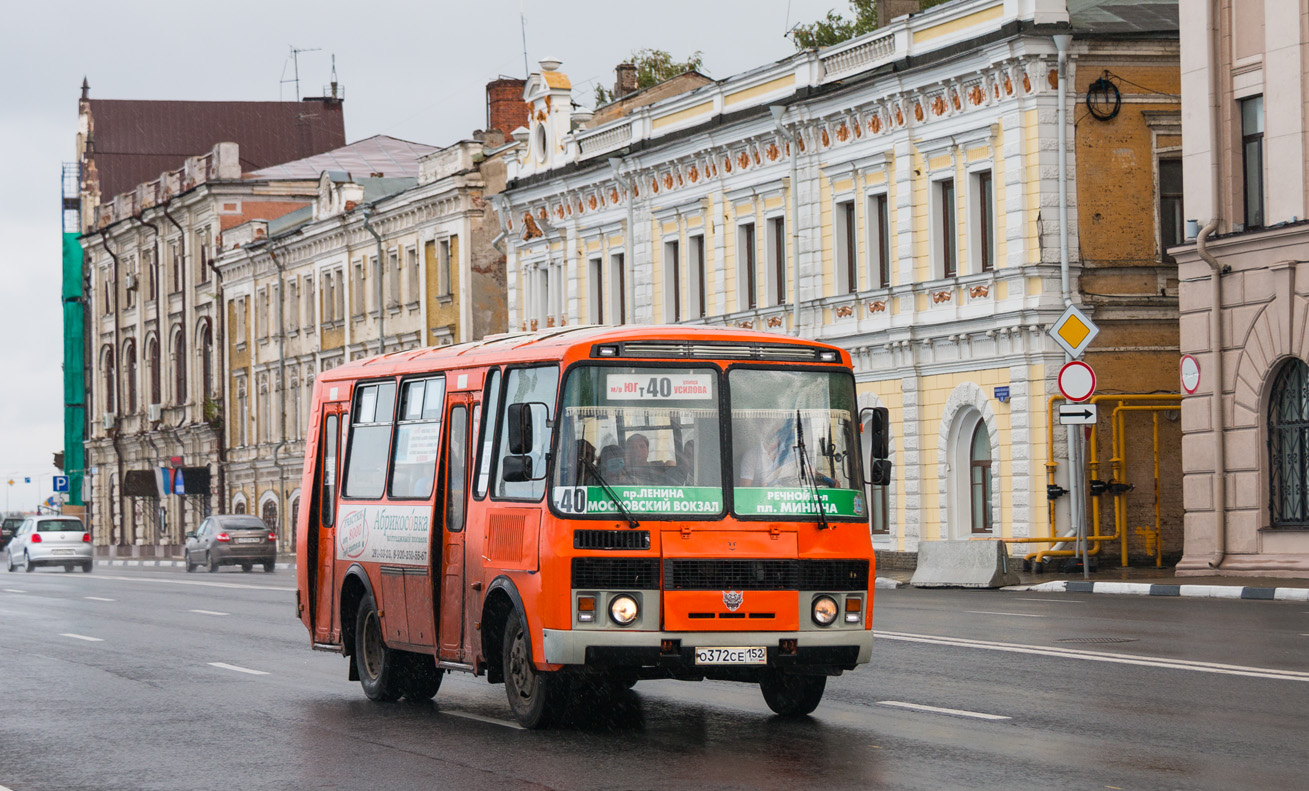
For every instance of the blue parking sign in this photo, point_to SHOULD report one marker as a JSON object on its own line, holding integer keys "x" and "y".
{"x": 61, "y": 483}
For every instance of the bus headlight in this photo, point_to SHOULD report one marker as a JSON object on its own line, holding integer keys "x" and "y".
{"x": 825, "y": 610}
{"x": 624, "y": 610}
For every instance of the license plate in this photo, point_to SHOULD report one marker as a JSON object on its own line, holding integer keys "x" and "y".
{"x": 751, "y": 655}
{"x": 249, "y": 540}
{"x": 61, "y": 551}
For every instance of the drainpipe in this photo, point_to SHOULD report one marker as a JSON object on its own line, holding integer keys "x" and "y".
{"x": 1216, "y": 400}
{"x": 281, "y": 373}
{"x": 220, "y": 345}
{"x": 1061, "y": 43}
{"x": 381, "y": 309}
{"x": 778, "y": 111}
{"x": 118, "y": 401}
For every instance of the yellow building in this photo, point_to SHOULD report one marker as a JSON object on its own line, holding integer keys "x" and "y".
{"x": 898, "y": 194}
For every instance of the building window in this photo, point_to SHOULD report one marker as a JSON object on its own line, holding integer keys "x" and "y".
{"x": 414, "y": 277}
{"x": 107, "y": 369}
{"x": 207, "y": 360}
{"x": 293, "y": 306}
{"x": 980, "y": 478}
{"x": 1252, "y": 159}
{"x": 443, "y": 269}
{"x": 133, "y": 281}
{"x": 945, "y": 232}
{"x": 338, "y": 298}
{"x": 393, "y": 279}
{"x": 595, "y": 291}
{"x": 152, "y": 360}
{"x": 847, "y": 253}
{"x": 201, "y": 257}
{"x": 618, "y": 282}
{"x": 696, "y": 277}
{"x": 309, "y": 302}
{"x": 1288, "y": 447}
{"x": 672, "y": 282}
{"x": 880, "y": 241}
{"x": 359, "y": 304}
{"x": 984, "y": 220}
{"x": 1171, "y": 231}
{"x": 178, "y": 266}
{"x": 747, "y": 287}
{"x": 179, "y": 367}
{"x": 152, "y": 275}
{"x": 129, "y": 378}
{"x": 261, "y": 313}
{"x": 777, "y": 260}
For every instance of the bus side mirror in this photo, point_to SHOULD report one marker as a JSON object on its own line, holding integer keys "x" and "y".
{"x": 877, "y": 431}
{"x": 520, "y": 430}
{"x": 516, "y": 469}
{"x": 879, "y": 472}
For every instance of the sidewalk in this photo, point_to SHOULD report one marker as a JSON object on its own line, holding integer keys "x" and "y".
{"x": 1148, "y": 581}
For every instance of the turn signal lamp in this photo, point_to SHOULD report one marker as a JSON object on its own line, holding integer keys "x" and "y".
{"x": 853, "y": 609}
{"x": 585, "y": 609}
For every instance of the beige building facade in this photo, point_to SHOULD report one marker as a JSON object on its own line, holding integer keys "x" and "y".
{"x": 897, "y": 194}
{"x": 1245, "y": 287}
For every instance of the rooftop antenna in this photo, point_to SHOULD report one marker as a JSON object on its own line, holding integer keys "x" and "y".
{"x": 522, "y": 19}
{"x": 295, "y": 63}
{"x": 334, "y": 82}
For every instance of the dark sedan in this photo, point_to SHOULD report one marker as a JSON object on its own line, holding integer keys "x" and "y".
{"x": 231, "y": 540}
{"x": 8, "y": 528}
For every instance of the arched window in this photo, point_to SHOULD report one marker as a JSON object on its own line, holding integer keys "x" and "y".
{"x": 239, "y": 508}
{"x": 107, "y": 370}
{"x": 129, "y": 377}
{"x": 1288, "y": 447}
{"x": 152, "y": 353}
{"x": 179, "y": 367}
{"x": 269, "y": 515}
{"x": 206, "y": 360}
{"x": 979, "y": 476}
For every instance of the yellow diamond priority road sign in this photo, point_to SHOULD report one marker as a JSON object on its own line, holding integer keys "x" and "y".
{"x": 1074, "y": 331}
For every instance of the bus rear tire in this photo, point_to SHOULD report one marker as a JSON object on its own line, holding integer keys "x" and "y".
{"x": 534, "y": 697}
{"x": 419, "y": 679}
{"x": 792, "y": 695}
{"x": 378, "y": 665}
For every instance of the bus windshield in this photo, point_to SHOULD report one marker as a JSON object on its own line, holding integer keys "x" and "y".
{"x": 793, "y": 444}
{"x": 648, "y": 434}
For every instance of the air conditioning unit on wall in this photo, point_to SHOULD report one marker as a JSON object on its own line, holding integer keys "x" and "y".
{"x": 107, "y": 420}
{"x": 131, "y": 281}
{"x": 155, "y": 412}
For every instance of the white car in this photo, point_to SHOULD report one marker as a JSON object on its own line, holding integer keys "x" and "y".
{"x": 50, "y": 541}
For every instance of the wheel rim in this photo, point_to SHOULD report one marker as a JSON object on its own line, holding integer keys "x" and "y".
{"x": 520, "y": 669}
{"x": 372, "y": 646}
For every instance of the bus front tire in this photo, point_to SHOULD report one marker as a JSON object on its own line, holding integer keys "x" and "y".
{"x": 534, "y": 697}
{"x": 792, "y": 695}
{"x": 377, "y": 664}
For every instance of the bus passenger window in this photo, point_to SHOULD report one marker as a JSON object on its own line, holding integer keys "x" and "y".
{"x": 417, "y": 439}
{"x": 492, "y": 401}
{"x": 526, "y": 386}
{"x": 456, "y": 490}
{"x": 327, "y": 502}
{"x": 370, "y": 439}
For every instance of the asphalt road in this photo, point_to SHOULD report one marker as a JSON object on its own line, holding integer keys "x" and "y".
{"x": 145, "y": 679}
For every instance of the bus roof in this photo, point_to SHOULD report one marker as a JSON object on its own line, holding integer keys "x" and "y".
{"x": 630, "y": 341}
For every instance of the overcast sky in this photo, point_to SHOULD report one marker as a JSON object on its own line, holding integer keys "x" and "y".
{"x": 414, "y": 70}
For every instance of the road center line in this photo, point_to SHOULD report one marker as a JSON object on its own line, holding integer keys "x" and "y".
{"x": 1015, "y": 614}
{"x": 937, "y": 710}
{"x": 82, "y": 637}
{"x": 238, "y": 668}
{"x": 14, "y": 590}
{"x": 1096, "y": 656}
{"x": 98, "y": 598}
{"x": 480, "y": 718}
{"x": 208, "y": 612}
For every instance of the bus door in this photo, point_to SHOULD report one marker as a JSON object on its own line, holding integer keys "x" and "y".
{"x": 455, "y": 503}
{"x": 327, "y": 626}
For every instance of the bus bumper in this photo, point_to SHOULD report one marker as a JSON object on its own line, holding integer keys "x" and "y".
{"x": 834, "y": 650}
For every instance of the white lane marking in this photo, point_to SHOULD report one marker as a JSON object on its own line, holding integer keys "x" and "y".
{"x": 14, "y": 590}
{"x": 98, "y": 598}
{"x": 82, "y": 637}
{"x": 197, "y": 582}
{"x": 480, "y": 718}
{"x": 1060, "y": 601}
{"x": 1095, "y": 656}
{"x": 937, "y": 710}
{"x": 238, "y": 668}
{"x": 1017, "y": 614}
{"x": 208, "y": 612}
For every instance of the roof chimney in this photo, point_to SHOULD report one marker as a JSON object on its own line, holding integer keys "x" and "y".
{"x": 888, "y": 10}
{"x": 505, "y": 108}
{"x": 626, "y": 73}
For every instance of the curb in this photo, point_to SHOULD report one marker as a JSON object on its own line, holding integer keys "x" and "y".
{"x": 888, "y": 582}
{"x": 177, "y": 564}
{"x": 1149, "y": 589}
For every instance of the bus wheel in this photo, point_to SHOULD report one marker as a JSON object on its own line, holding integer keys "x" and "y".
{"x": 377, "y": 664}
{"x": 792, "y": 695}
{"x": 419, "y": 679}
{"x": 534, "y": 697}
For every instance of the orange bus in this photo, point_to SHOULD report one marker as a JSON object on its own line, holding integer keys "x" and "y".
{"x": 590, "y": 505}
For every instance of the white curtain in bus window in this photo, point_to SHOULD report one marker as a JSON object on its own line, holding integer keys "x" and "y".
{"x": 417, "y": 439}
{"x": 529, "y": 386}
{"x": 370, "y": 438}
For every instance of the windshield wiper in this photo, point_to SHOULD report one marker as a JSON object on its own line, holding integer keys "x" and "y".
{"x": 807, "y": 473}
{"x": 591, "y": 468}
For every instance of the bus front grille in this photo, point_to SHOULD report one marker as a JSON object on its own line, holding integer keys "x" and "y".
{"x": 611, "y": 539}
{"x": 742, "y": 575}
{"x": 616, "y": 573}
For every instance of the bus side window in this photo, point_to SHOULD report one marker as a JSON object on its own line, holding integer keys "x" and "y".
{"x": 370, "y": 440}
{"x": 526, "y": 386}
{"x": 456, "y": 489}
{"x": 492, "y": 401}
{"x": 417, "y": 438}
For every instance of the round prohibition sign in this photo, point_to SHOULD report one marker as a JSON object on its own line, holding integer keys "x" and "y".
{"x": 1190, "y": 368}
{"x": 1076, "y": 381}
